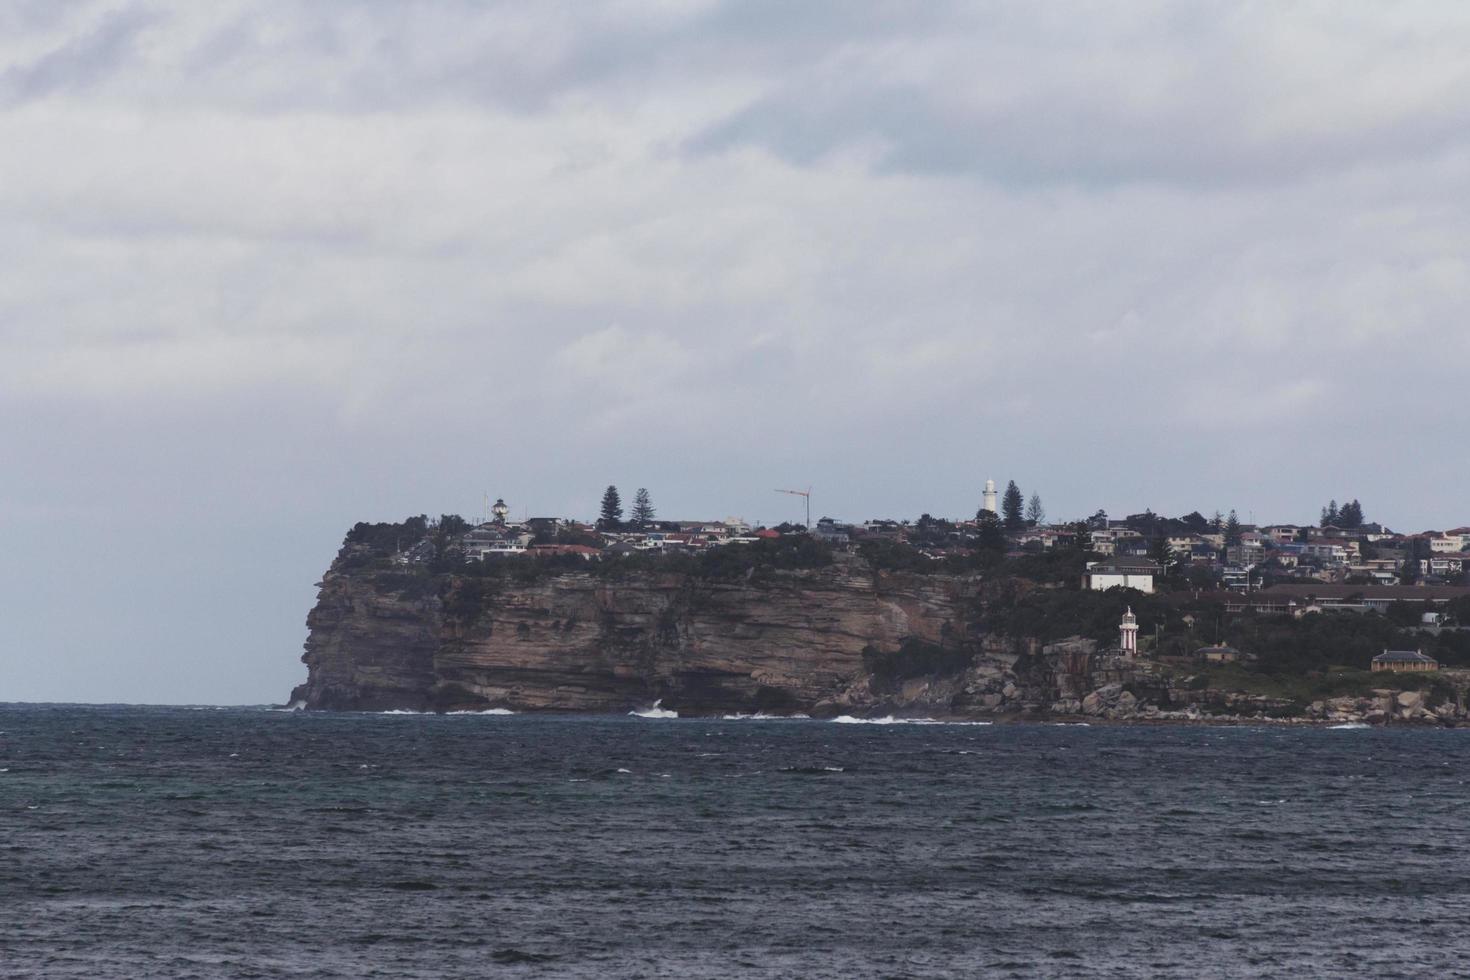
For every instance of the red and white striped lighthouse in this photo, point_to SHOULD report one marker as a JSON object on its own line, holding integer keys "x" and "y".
{"x": 1128, "y": 634}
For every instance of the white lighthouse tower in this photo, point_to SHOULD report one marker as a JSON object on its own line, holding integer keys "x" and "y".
{"x": 990, "y": 497}
{"x": 1128, "y": 634}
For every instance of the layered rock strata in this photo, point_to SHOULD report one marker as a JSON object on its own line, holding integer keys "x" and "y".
{"x": 828, "y": 641}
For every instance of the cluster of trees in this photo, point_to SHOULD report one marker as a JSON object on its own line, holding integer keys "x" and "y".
{"x": 1016, "y": 512}
{"x": 610, "y": 514}
{"x": 1349, "y": 515}
{"x": 382, "y": 539}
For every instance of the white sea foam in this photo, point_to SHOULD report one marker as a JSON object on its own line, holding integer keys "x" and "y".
{"x": 485, "y": 711}
{"x": 1351, "y": 724}
{"x": 402, "y": 711}
{"x": 891, "y": 720}
{"x": 655, "y": 712}
{"x": 760, "y": 716}
{"x": 626, "y": 771}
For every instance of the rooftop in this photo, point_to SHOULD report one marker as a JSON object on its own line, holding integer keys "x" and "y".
{"x": 1403, "y": 657}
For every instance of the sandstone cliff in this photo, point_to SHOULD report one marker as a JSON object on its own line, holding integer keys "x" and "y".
{"x": 839, "y": 639}
{"x": 576, "y": 641}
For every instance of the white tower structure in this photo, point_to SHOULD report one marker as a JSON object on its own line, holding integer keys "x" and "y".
{"x": 990, "y": 497}
{"x": 1128, "y": 634}
{"x": 499, "y": 510}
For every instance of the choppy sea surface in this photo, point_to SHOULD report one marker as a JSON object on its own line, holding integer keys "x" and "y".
{"x": 171, "y": 842}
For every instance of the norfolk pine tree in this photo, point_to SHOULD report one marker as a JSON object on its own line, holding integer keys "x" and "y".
{"x": 1011, "y": 506}
{"x": 643, "y": 513}
{"x": 611, "y": 517}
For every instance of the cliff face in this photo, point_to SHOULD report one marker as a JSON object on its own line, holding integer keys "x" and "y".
{"x": 842, "y": 639}
{"x": 786, "y": 641}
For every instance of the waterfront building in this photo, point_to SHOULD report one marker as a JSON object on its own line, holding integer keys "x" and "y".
{"x": 1409, "y": 660}
{"x": 1219, "y": 654}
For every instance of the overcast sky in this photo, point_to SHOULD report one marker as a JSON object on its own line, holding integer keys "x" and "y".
{"x": 273, "y": 268}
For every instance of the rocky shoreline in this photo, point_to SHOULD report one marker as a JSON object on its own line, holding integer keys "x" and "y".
{"x": 844, "y": 639}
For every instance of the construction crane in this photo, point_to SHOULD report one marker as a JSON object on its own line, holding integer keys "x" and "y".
{"x": 807, "y": 495}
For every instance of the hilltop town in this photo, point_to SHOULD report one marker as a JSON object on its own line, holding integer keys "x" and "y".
{"x": 1343, "y": 561}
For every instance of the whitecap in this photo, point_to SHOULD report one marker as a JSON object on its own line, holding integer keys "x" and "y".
{"x": 761, "y": 716}
{"x": 655, "y": 712}
{"x": 1351, "y": 724}
{"x": 891, "y": 720}
{"x": 626, "y": 771}
{"x": 484, "y": 711}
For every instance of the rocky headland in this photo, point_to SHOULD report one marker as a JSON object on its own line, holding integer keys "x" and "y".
{"x": 844, "y": 638}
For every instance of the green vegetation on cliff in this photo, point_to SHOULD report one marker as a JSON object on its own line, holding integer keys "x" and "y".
{"x": 1029, "y": 597}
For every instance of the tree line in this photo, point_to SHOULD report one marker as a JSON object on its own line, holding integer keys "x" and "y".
{"x": 610, "y": 514}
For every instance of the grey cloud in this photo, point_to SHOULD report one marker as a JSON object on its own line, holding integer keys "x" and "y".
{"x": 82, "y": 61}
{"x": 1123, "y": 106}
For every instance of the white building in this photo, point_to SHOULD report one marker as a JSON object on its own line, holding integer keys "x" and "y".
{"x": 493, "y": 539}
{"x": 1121, "y": 573}
{"x": 1332, "y": 554}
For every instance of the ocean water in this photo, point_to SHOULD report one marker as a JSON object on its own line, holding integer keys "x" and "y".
{"x": 167, "y": 842}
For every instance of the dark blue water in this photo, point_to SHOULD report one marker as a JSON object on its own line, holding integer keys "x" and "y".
{"x": 172, "y": 842}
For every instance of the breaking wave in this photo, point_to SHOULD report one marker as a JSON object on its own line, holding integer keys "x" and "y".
{"x": 891, "y": 720}
{"x": 483, "y": 711}
{"x": 761, "y": 716}
{"x": 1351, "y": 724}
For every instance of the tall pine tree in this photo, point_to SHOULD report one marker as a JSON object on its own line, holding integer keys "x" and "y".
{"x": 1035, "y": 514}
{"x": 1232, "y": 529}
{"x": 1011, "y": 506}
{"x": 611, "y": 517}
{"x": 642, "y": 514}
